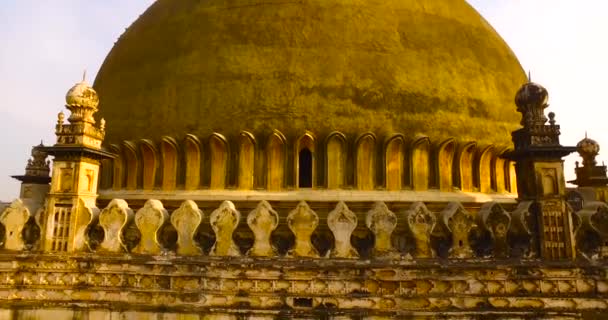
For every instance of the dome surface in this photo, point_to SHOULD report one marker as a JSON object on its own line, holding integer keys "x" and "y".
{"x": 412, "y": 66}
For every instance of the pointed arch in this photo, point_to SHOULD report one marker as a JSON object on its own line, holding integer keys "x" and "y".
{"x": 483, "y": 171}
{"x": 118, "y": 172}
{"x": 246, "y": 160}
{"x": 275, "y": 161}
{"x": 499, "y": 178}
{"x": 192, "y": 158}
{"x": 218, "y": 150}
{"x": 511, "y": 172}
{"x": 131, "y": 164}
{"x": 149, "y": 160}
{"x": 394, "y": 157}
{"x": 305, "y": 159}
{"x": 463, "y": 166}
{"x": 444, "y": 164}
{"x": 419, "y": 163}
{"x": 335, "y": 169}
{"x": 169, "y": 152}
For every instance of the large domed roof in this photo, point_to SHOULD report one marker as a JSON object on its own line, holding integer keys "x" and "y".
{"x": 417, "y": 67}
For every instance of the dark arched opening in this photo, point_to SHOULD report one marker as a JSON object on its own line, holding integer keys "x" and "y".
{"x": 305, "y": 169}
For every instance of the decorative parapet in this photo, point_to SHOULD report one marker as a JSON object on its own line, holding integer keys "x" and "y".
{"x": 335, "y": 162}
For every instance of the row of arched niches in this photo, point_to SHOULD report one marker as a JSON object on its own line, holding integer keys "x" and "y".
{"x": 336, "y": 161}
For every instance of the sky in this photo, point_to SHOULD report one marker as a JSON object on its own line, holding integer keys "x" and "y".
{"x": 46, "y": 45}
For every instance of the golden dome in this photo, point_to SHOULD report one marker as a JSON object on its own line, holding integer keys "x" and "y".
{"x": 418, "y": 67}
{"x": 82, "y": 95}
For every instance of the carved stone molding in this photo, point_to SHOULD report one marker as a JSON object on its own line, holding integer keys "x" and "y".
{"x": 460, "y": 223}
{"x": 496, "y": 221}
{"x": 14, "y": 219}
{"x": 86, "y": 218}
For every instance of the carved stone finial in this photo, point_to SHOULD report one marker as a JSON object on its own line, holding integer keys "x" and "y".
{"x": 102, "y": 125}
{"x": 460, "y": 223}
{"x": 113, "y": 219}
{"x": 497, "y": 222}
{"x": 531, "y": 101}
{"x": 262, "y": 221}
{"x": 86, "y": 217}
{"x": 186, "y": 221}
{"x": 421, "y": 222}
{"x": 588, "y": 149}
{"x": 342, "y": 222}
{"x": 302, "y": 221}
{"x": 224, "y": 220}
{"x": 60, "y": 118}
{"x": 382, "y": 222}
{"x": 14, "y": 219}
{"x": 149, "y": 220}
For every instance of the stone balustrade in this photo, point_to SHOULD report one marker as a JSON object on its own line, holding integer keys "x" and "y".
{"x": 304, "y": 230}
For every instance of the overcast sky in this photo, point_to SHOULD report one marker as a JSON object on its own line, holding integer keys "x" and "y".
{"x": 46, "y": 45}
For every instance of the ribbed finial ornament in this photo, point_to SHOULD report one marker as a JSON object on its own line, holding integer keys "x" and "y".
{"x": 82, "y": 95}
{"x": 531, "y": 101}
{"x": 588, "y": 149}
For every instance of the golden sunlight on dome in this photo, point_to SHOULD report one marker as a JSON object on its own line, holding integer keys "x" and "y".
{"x": 435, "y": 68}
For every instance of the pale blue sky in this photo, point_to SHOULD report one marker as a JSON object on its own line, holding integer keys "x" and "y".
{"x": 45, "y": 46}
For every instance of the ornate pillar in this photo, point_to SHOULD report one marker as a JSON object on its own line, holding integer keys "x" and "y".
{"x": 540, "y": 172}
{"x": 74, "y": 178}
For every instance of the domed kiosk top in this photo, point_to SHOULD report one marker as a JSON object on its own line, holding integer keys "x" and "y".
{"x": 435, "y": 68}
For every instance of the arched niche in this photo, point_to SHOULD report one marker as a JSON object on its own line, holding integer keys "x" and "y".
{"x": 419, "y": 163}
{"x": 483, "y": 169}
{"x": 335, "y": 169}
{"x": 512, "y": 176}
{"x": 169, "y": 154}
{"x": 149, "y": 160}
{"x": 131, "y": 164}
{"x": 246, "y": 160}
{"x": 444, "y": 164}
{"x": 305, "y": 160}
{"x": 365, "y": 162}
{"x": 394, "y": 162}
{"x": 218, "y": 150}
{"x": 463, "y": 166}
{"x": 499, "y": 180}
{"x": 118, "y": 172}
{"x": 275, "y": 161}
{"x": 192, "y": 159}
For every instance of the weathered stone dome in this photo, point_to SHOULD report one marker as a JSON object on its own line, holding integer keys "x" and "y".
{"x": 417, "y": 67}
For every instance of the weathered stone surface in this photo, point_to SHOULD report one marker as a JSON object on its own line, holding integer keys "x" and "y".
{"x": 421, "y": 222}
{"x": 302, "y": 221}
{"x": 342, "y": 222}
{"x": 149, "y": 220}
{"x": 382, "y": 222}
{"x": 186, "y": 220}
{"x": 262, "y": 221}
{"x": 14, "y": 218}
{"x": 224, "y": 220}
{"x": 460, "y": 223}
{"x": 113, "y": 220}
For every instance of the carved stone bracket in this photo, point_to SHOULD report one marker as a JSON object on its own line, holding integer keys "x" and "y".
{"x": 496, "y": 221}
{"x": 149, "y": 220}
{"x": 593, "y": 218}
{"x": 86, "y": 218}
{"x": 113, "y": 219}
{"x": 342, "y": 222}
{"x": 302, "y": 221}
{"x": 186, "y": 220}
{"x": 262, "y": 221}
{"x": 382, "y": 222}
{"x": 460, "y": 223}
{"x": 224, "y": 220}
{"x": 420, "y": 222}
{"x": 14, "y": 219}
